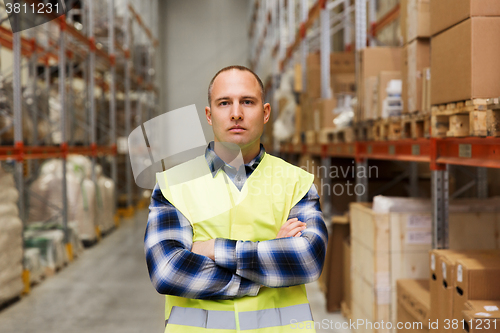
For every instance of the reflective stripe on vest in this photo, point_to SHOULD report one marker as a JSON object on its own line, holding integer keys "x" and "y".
{"x": 249, "y": 320}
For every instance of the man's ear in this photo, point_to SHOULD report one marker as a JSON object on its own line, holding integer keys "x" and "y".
{"x": 267, "y": 112}
{"x": 208, "y": 114}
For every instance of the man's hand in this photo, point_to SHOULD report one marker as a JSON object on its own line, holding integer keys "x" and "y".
{"x": 291, "y": 228}
{"x": 205, "y": 248}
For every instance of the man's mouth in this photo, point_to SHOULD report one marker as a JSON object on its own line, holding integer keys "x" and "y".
{"x": 236, "y": 129}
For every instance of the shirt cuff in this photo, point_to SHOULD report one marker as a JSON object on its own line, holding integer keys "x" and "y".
{"x": 253, "y": 289}
{"x": 225, "y": 253}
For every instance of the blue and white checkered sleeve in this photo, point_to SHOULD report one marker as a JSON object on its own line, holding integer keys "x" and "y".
{"x": 285, "y": 261}
{"x": 174, "y": 269}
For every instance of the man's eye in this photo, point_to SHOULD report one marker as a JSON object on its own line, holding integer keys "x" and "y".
{"x": 248, "y": 102}
{"x": 223, "y": 103}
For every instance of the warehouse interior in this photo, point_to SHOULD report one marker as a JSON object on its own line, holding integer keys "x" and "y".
{"x": 392, "y": 105}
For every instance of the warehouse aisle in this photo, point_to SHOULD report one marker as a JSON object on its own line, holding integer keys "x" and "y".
{"x": 107, "y": 290}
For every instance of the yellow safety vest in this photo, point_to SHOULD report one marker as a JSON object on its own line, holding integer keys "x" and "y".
{"x": 216, "y": 208}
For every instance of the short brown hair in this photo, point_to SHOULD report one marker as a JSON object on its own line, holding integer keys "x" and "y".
{"x": 241, "y": 68}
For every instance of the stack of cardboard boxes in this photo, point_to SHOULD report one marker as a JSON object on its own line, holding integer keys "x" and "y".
{"x": 459, "y": 281}
{"x": 315, "y": 114}
{"x": 377, "y": 65}
{"x": 415, "y": 30}
{"x": 465, "y": 49}
{"x": 394, "y": 243}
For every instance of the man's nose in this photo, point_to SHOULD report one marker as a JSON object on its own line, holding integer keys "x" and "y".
{"x": 236, "y": 112}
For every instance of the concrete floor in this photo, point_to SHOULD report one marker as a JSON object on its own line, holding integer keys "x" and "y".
{"x": 107, "y": 290}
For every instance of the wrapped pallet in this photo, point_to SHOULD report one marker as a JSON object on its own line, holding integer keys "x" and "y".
{"x": 85, "y": 209}
{"x": 11, "y": 241}
{"x": 50, "y": 243}
{"x": 46, "y": 194}
{"x": 105, "y": 206}
{"x": 391, "y": 239}
{"x": 48, "y": 239}
{"x": 46, "y": 191}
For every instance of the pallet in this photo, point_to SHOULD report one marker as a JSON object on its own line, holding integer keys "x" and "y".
{"x": 363, "y": 131}
{"x": 311, "y": 137}
{"x": 493, "y": 117}
{"x": 465, "y": 118}
{"x": 335, "y": 135}
{"x": 296, "y": 139}
{"x": 387, "y": 129}
{"x": 415, "y": 126}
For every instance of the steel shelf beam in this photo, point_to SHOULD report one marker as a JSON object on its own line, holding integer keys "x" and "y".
{"x": 472, "y": 151}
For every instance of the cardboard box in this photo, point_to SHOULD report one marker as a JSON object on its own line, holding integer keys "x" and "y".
{"x": 335, "y": 276}
{"x": 482, "y": 305}
{"x": 323, "y": 115}
{"x": 476, "y": 279}
{"x": 385, "y": 247}
{"x": 426, "y": 90}
{"x": 344, "y": 83}
{"x": 298, "y": 119}
{"x": 416, "y": 57}
{"x": 313, "y": 75}
{"x": 342, "y": 63}
{"x": 347, "y": 274}
{"x": 481, "y": 322}
{"x": 481, "y": 316}
{"x": 464, "y": 61}
{"x": 447, "y": 13}
{"x": 371, "y": 98}
{"x": 373, "y": 60}
{"x": 377, "y": 59}
{"x": 414, "y": 304}
{"x": 306, "y": 112}
{"x": 434, "y": 284}
{"x": 382, "y": 81}
{"x": 389, "y": 246}
{"x": 442, "y": 280}
{"x": 415, "y": 19}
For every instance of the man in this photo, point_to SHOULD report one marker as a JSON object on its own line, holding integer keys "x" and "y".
{"x": 234, "y": 255}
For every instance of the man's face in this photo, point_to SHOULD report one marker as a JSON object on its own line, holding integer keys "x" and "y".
{"x": 236, "y": 113}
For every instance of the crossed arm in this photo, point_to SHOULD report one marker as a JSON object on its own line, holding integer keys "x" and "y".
{"x": 240, "y": 267}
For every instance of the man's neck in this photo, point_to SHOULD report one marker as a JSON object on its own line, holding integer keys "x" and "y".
{"x": 229, "y": 155}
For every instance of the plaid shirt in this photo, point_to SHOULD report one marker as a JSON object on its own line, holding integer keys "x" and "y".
{"x": 240, "y": 267}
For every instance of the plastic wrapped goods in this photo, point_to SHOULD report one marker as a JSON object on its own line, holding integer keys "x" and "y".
{"x": 285, "y": 123}
{"x": 51, "y": 245}
{"x": 105, "y": 206}
{"x": 46, "y": 194}
{"x": 11, "y": 242}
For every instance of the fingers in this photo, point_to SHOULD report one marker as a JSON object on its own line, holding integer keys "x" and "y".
{"x": 290, "y": 228}
{"x": 295, "y": 231}
{"x": 285, "y": 229}
{"x": 288, "y": 222}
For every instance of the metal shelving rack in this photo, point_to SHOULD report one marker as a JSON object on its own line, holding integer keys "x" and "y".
{"x": 477, "y": 152}
{"x": 77, "y": 47}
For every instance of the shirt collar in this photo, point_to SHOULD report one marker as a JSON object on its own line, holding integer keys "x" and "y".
{"x": 215, "y": 163}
